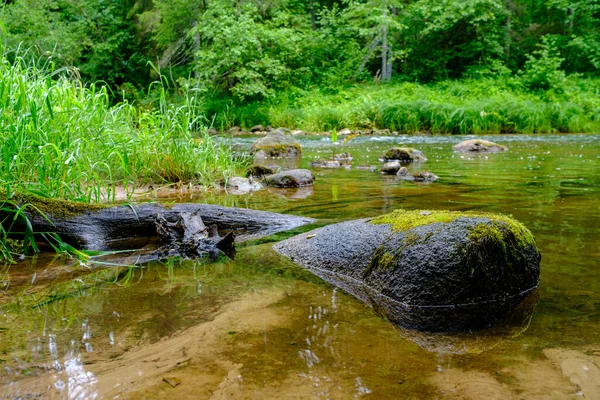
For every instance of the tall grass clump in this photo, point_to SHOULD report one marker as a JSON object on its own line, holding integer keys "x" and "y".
{"x": 61, "y": 139}
{"x": 501, "y": 105}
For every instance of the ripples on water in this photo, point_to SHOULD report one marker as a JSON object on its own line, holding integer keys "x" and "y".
{"x": 261, "y": 327}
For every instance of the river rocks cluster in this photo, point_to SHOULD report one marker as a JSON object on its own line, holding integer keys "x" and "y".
{"x": 418, "y": 176}
{"x": 426, "y": 270}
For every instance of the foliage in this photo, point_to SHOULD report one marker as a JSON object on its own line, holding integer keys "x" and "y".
{"x": 253, "y": 50}
{"x": 499, "y": 105}
{"x": 542, "y": 69}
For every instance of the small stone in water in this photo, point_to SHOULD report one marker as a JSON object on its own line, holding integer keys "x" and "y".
{"x": 173, "y": 381}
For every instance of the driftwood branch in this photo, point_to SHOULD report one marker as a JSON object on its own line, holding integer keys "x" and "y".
{"x": 107, "y": 228}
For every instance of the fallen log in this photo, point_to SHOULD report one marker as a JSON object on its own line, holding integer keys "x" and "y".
{"x": 105, "y": 227}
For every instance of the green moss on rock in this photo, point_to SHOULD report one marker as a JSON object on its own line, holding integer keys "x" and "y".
{"x": 404, "y": 220}
{"x": 259, "y": 170}
{"x": 406, "y": 154}
{"x": 57, "y": 207}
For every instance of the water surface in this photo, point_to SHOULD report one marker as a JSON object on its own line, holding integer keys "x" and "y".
{"x": 260, "y": 327}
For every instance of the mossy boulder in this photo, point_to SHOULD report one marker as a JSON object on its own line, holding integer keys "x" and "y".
{"x": 403, "y": 154}
{"x": 259, "y": 170}
{"x": 426, "y": 270}
{"x": 291, "y": 179}
{"x": 276, "y": 144}
{"x": 477, "y": 146}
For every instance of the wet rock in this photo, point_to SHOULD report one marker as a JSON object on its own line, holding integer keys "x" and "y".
{"x": 276, "y": 144}
{"x": 342, "y": 157}
{"x": 296, "y": 132}
{"x": 419, "y": 176}
{"x": 478, "y": 145}
{"x": 259, "y": 170}
{"x": 345, "y": 131}
{"x": 257, "y": 128}
{"x": 382, "y": 132}
{"x": 240, "y": 185}
{"x": 325, "y": 164}
{"x": 404, "y": 154}
{"x": 426, "y": 270}
{"x": 390, "y": 168}
{"x": 291, "y": 179}
{"x": 269, "y": 128}
{"x": 234, "y": 130}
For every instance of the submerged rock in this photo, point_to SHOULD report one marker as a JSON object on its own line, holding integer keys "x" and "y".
{"x": 325, "y": 164}
{"x": 403, "y": 154}
{"x": 478, "y": 145}
{"x": 342, "y": 157}
{"x": 426, "y": 270}
{"x": 276, "y": 144}
{"x": 419, "y": 176}
{"x": 291, "y": 179}
{"x": 370, "y": 168}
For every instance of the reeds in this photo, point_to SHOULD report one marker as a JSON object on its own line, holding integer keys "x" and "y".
{"x": 60, "y": 139}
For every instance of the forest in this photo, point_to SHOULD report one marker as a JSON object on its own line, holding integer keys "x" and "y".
{"x": 274, "y": 62}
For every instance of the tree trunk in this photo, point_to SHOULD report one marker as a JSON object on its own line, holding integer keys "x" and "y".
{"x": 107, "y": 228}
{"x": 384, "y": 51}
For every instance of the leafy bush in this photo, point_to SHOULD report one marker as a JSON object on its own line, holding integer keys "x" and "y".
{"x": 542, "y": 68}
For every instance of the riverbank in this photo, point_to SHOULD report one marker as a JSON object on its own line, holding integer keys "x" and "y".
{"x": 485, "y": 106}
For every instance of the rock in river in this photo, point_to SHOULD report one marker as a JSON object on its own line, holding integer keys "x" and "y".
{"x": 391, "y": 168}
{"x": 291, "y": 179}
{"x": 426, "y": 270}
{"x": 478, "y": 145}
{"x": 419, "y": 176}
{"x": 276, "y": 144}
{"x": 404, "y": 154}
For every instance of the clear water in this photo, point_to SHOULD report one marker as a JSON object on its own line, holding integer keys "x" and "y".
{"x": 260, "y": 327}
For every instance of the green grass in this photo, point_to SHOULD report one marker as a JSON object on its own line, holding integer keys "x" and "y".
{"x": 60, "y": 139}
{"x": 454, "y": 107}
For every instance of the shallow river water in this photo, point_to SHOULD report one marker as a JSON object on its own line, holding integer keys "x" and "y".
{"x": 260, "y": 327}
